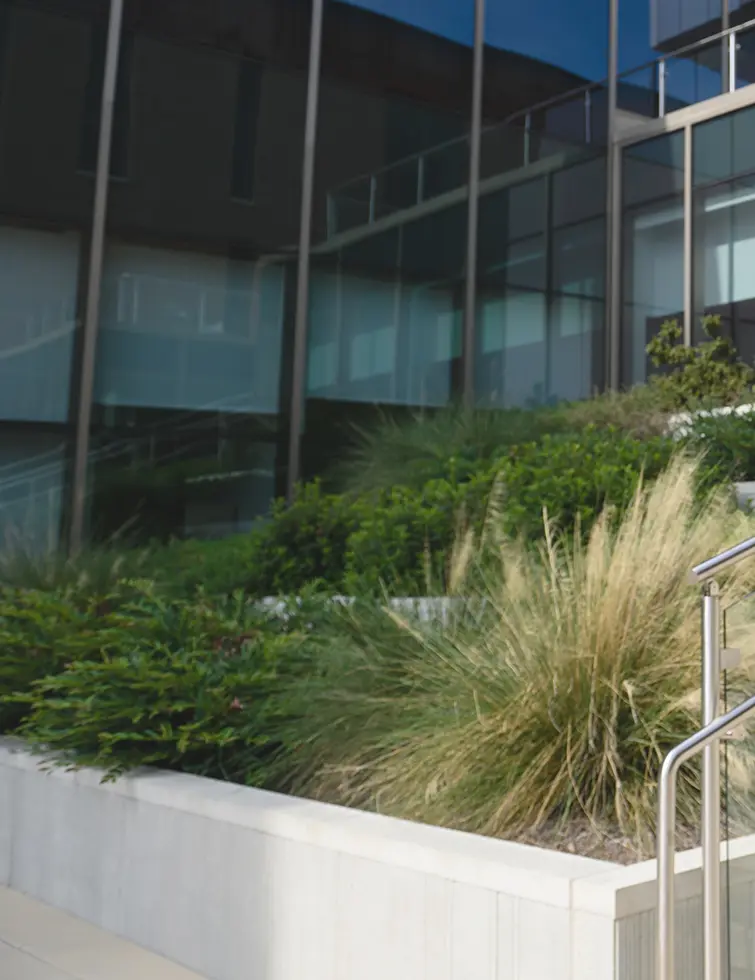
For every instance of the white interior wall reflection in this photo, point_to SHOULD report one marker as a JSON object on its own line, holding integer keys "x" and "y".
{"x": 38, "y": 285}
{"x": 541, "y": 297}
{"x": 654, "y": 259}
{"x": 356, "y": 328}
{"x": 182, "y": 330}
{"x": 725, "y": 238}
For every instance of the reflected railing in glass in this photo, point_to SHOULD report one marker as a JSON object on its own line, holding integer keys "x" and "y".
{"x": 569, "y": 123}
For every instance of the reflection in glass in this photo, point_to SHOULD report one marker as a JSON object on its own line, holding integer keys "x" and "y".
{"x": 38, "y": 293}
{"x": 199, "y": 271}
{"x": 541, "y": 289}
{"x": 32, "y": 473}
{"x": 653, "y": 244}
{"x": 390, "y": 218}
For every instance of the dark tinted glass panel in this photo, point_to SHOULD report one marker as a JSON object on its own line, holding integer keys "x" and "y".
{"x": 47, "y": 70}
{"x": 653, "y": 242}
{"x": 724, "y": 147}
{"x": 390, "y": 215}
{"x": 541, "y": 289}
{"x": 199, "y": 276}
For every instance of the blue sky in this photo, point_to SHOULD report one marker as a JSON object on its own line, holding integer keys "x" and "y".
{"x": 569, "y": 33}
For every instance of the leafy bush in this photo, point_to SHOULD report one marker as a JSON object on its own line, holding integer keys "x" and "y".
{"x": 305, "y": 542}
{"x": 641, "y": 412}
{"x": 39, "y": 633}
{"x": 220, "y": 567}
{"x": 405, "y": 541}
{"x": 555, "y": 704}
{"x": 727, "y": 442}
{"x": 710, "y": 371}
{"x": 183, "y": 685}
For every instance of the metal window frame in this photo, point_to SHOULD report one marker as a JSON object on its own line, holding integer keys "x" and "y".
{"x": 473, "y": 209}
{"x": 94, "y": 280}
{"x": 684, "y": 120}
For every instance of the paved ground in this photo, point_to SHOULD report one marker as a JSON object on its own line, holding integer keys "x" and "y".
{"x": 40, "y": 943}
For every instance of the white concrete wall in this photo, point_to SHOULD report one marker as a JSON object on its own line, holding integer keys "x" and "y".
{"x": 239, "y": 884}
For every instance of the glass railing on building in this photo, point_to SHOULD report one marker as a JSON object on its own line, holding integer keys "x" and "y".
{"x": 687, "y": 76}
{"x": 567, "y": 125}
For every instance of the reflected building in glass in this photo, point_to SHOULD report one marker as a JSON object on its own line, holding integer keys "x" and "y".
{"x": 233, "y": 233}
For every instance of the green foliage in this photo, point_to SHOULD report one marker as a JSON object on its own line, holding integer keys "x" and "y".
{"x": 219, "y": 567}
{"x": 39, "y": 633}
{"x": 572, "y": 478}
{"x": 642, "y": 412}
{"x": 707, "y": 372}
{"x": 94, "y": 571}
{"x": 305, "y": 542}
{"x": 183, "y": 685}
{"x": 727, "y": 443}
{"x": 555, "y": 703}
{"x": 444, "y": 444}
{"x": 405, "y": 541}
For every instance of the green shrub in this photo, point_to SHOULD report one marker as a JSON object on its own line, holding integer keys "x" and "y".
{"x": 39, "y": 633}
{"x": 405, "y": 542}
{"x": 94, "y": 571}
{"x": 641, "y": 412}
{"x": 572, "y": 478}
{"x": 708, "y": 372}
{"x": 555, "y": 706}
{"x": 216, "y": 567}
{"x": 727, "y": 443}
{"x": 305, "y": 542}
{"x": 402, "y": 543}
{"x": 444, "y": 444}
{"x": 193, "y": 686}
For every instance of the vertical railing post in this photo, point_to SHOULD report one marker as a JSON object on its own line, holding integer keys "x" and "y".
{"x": 661, "y": 88}
{"x": 588, "y": 116}
{"x": 420, "y": 178}
{"x": 527, "y": 137}
{"x": 666, "y": 854}
{"x": 711, "y": 794}
{"x": 373, "y": 199}
{"x": 732, "y": 72}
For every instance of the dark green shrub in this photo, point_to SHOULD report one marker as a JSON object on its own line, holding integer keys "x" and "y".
{"x": 573, "y": 477}
{"x": 192, "y": 686}
{"x": 444, "y": 444}
{"x": 216, "y": 567}
{"x": 305, "y": 542}
{"x": 727, "y": 443}
{"x": 39, "y": 633}
{"x": 405, "y": 542}
{"x": 708, "y": 372}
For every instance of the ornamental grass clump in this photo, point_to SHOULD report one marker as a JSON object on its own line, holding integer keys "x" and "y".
{"x": 552, "y": 703}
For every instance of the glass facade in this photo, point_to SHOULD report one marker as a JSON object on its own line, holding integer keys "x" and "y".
{"x": 199, "y": 267}
{"x": 389, "y": 238}
{"x": 456, "y": 242}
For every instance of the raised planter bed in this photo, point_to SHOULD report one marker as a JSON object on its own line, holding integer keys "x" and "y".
{"x": 240, "y": 884}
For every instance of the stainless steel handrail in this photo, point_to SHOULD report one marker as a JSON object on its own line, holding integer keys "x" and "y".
{"x": 707, "y": 569}
{"x": 667, "y": 824}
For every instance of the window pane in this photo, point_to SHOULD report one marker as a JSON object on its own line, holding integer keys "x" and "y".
{"x": 32, "y": 474}
{"x": 652, "y": 256}
{"x": 389, "y": 215}
{"x": 48, "y": 68}
{"x": 200, "y": 267}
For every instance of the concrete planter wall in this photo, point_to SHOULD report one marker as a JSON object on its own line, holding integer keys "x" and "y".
{"x": 239, "y": 884}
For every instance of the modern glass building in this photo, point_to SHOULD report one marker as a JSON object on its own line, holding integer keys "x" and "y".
{"x": 232, "y": 231}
